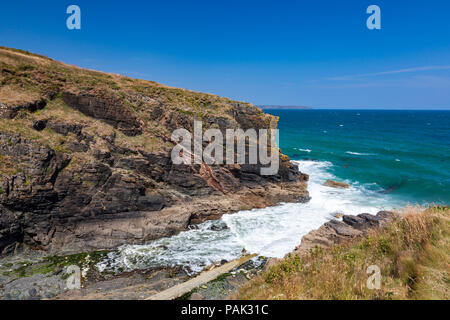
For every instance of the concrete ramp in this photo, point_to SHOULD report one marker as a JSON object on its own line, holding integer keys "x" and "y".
{"x": 205, "y": 277}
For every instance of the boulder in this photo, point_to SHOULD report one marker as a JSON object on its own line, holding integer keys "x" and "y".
{"x": 341, "y": 228}
{"x": 371, "y": 220}
{"x": 336, "y": 184}
{"x": 355, "y": 222}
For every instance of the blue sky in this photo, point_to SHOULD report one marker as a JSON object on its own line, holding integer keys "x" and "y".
{"x": 314, "y": 53}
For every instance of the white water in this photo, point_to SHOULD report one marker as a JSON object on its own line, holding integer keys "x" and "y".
{"x": 360, "y": 154}
{"x": 271, "y": 232}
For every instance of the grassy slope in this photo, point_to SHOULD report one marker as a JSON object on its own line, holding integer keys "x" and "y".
{"x": 413, "y": 254}
{"x": 26, "y": 77}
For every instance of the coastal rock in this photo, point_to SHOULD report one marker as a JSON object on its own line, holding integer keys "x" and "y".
{"x": 372, "y": 221}
{"x": 365, "y": 220}
{"x": 341, "y": 228}
{"x": 107, "y": 108}
{"x": 336, "y": 184}
{"x": 355, "y": 222}
{"x": 335, "y": 232}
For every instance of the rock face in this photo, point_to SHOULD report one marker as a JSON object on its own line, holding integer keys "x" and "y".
{"x": 85, "y": 159}
{"x": 336, "y": 184}
{"x": 335, "y": 231}
{"x": 108, "y": 109}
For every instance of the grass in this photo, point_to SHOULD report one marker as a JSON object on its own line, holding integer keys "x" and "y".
{"x": 9, "y": 166}
{"x": 12, "y": 95}
{"x": 413, "y": 253}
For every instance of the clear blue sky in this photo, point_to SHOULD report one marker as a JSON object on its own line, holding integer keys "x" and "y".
{"x": 315, "y": 53}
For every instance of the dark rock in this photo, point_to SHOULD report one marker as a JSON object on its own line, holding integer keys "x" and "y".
{"x": 153, "y": 202}
{"x": 65, "y": 128}
{"x": 218, "y": 228}
{"x": 372, "y": 221}
{"x": 108, "y": 109}
{"x": 32, "y": 292}
{"x": 355, "y": 222}
{"x": 341, "y": 228}
{"x": 12, "y": 111}
{"x": 39, "y": 125}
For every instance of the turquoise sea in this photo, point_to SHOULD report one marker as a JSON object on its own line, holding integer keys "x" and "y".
{"x": 402, "y": 154}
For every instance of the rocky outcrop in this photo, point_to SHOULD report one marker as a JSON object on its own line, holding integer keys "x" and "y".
{"x": 87, "y": 164}
{"x": 109, "y": 109}
{"x": 336, "y": 231}
{"x": 336, "y": 184}
{"x": 10, "y": 112}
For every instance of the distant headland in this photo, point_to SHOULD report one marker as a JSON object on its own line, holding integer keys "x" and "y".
{"x": 267, "y": 107}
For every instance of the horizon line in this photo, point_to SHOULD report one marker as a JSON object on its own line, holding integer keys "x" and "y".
{"x": 281, "y": 107}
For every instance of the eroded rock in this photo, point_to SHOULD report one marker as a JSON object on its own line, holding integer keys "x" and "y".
{"x": 336, "y": 184}
{"x": 335, "y": 231}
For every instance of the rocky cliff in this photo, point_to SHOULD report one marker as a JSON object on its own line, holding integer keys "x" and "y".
{"x": 85, "y": 159}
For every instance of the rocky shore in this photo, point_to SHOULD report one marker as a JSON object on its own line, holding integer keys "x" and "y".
{"x": 343, "y": 229}
{"x": 85, "y": 159}
{"x": 338, "y": 230}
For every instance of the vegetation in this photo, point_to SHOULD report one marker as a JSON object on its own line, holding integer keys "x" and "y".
{"x": 413, "y": 253}
{"x": 55, "y": 265}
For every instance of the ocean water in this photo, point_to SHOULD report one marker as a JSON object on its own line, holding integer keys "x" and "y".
{"x": 405, "y": 154}
{"x": 390, "y": 159}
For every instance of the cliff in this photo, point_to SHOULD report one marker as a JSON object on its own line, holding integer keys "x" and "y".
{"x": 85, "y": 159}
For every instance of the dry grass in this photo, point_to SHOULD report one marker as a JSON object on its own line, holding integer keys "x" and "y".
{"x": 10, "y": 95}
{"x": 15, "y": 56}
{"x": 413, "y": 254}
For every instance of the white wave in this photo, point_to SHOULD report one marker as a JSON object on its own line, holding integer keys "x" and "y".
{"x": 271, "y": 232}
{"x": 360, "y": 154}
{"x": 304, "y": 150}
